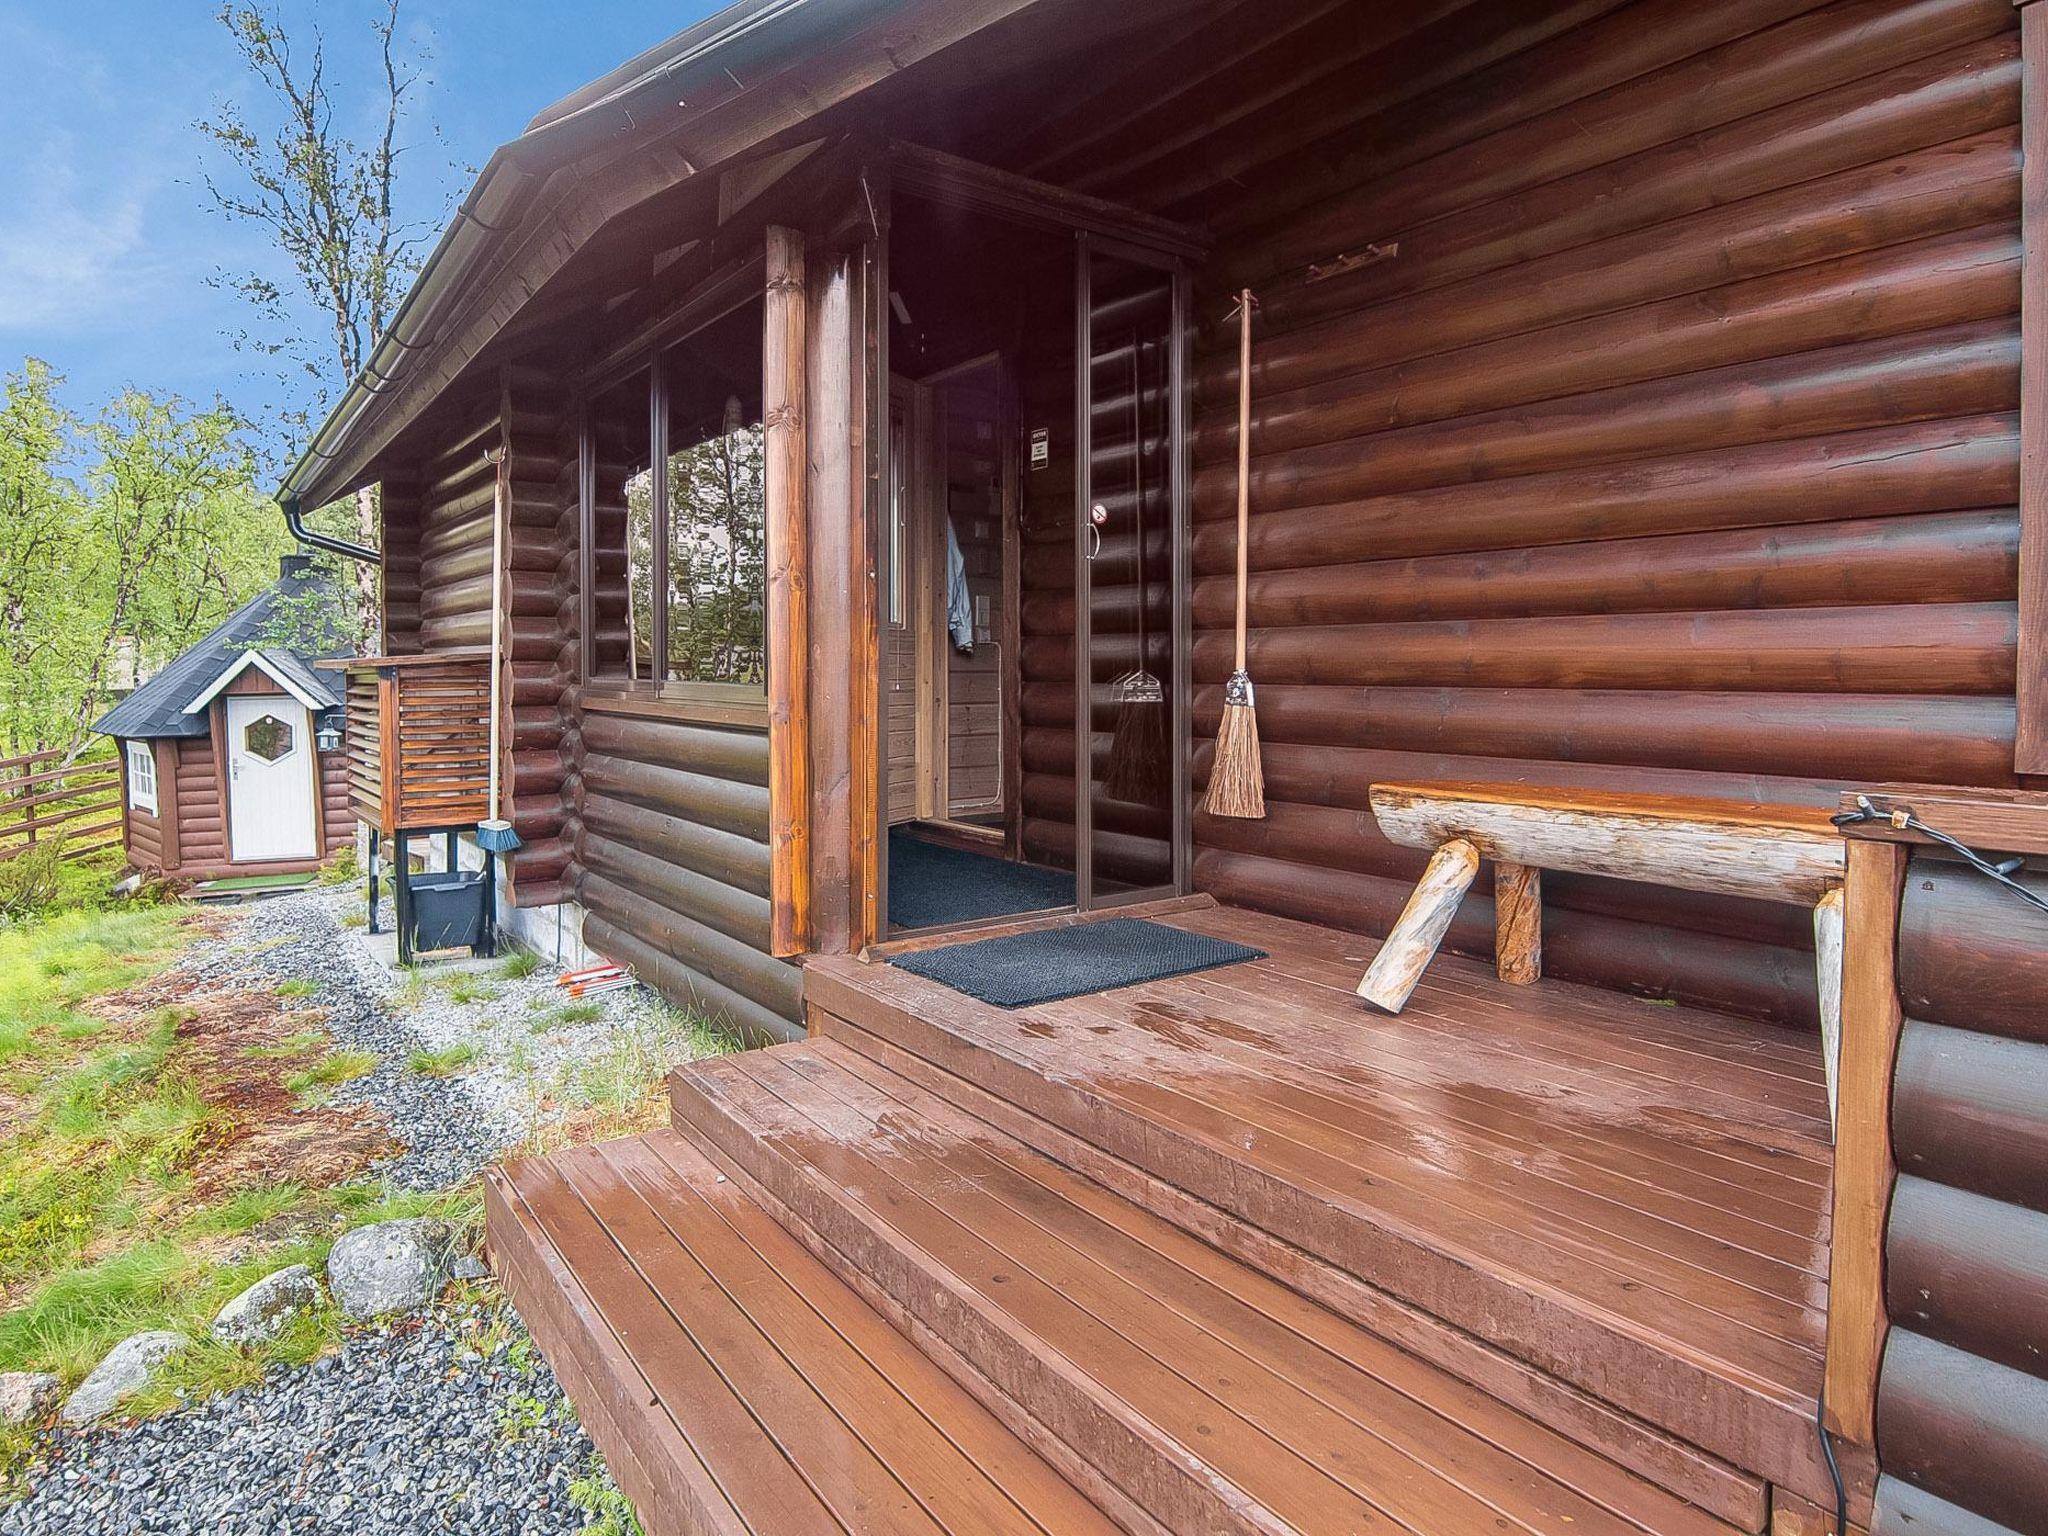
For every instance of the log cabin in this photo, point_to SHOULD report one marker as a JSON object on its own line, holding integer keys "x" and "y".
{"x": 231, "y": 756}
{"x": 1646, "y": 496}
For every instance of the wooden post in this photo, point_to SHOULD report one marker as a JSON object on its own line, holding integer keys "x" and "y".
{"x": 841, "y": 682}
{"x": 2030, "y": 751}
{"x": 1864, "y": 1171}
{"x": 789, "y": 637}
{"x": 1392, "y": 977}
{"x": 1518, "y": 922}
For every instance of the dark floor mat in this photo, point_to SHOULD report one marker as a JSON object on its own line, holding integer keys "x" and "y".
{"x": 931, "y": 884}
{"x": 1048, "y": 964}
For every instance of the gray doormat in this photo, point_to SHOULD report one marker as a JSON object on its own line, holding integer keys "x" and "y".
{"x": 1047, "y": 964}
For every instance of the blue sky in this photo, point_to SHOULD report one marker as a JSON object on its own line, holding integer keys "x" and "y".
{"x": 106, "y": 240}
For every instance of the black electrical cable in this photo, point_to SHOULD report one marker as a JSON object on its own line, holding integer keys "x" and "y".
{"x": 1827, "y": 1449}
{"x": 2002, "y": 872}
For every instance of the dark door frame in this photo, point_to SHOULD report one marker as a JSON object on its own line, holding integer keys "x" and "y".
{"x": 1097, "y": 226}
{"x": 1088, "y": 247}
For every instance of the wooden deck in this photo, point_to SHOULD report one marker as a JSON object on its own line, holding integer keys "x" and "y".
{"x": 1221, "y": 1253}
{"x": 1630, "y": 1197}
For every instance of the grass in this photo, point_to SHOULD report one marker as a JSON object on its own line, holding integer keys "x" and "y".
{"x": 115, "y": 1211}
{"x": 519, "y": 966}
{"x": 620, "y": 1089}
{"x": 611, "y": 1511}
{"x": 335, "y": 1068}
{"x": 463, "y": 987}
{"x": 297, "y": 986}
{"x": 442, "y": 1063}
{"x": 236, "y": 883}
{"x": 568, "y": 1013}
{"x": 111, "y": 1219}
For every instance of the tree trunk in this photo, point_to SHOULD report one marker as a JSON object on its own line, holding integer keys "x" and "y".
{"x": 369, "y": 626}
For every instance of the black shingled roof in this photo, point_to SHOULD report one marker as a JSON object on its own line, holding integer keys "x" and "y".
{"x": 157, "y": 708}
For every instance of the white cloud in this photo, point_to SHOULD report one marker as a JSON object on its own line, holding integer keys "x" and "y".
{"x": 73, "y": 253}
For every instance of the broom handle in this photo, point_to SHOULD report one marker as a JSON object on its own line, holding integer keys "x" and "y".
{"x": 1244, "y": 460}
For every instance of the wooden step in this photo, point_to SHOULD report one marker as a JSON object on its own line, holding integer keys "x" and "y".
{"x": 1631, "y": 1199}
{"x": 733, "y": 1384}
{"x": 1212, "y": 1397}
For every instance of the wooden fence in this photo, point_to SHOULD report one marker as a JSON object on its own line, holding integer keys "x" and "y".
{"x": 43, "y": 797}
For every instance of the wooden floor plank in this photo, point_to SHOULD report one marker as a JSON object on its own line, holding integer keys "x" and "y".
{"x": 763, "y": 1490}
{"x": 1061, "y": 1279}
{"x": 959, "y": 1462}
{"x": 1219, "y": 1121}
{"x": 1472, "y": 1441}
{"x": 1671, "y": 1463}
{"x": 1564, "y": 1172}
{"x": 1084, "y": 1373}
{"x": 1598, "y": 1142}
{"x": 1613, "y": 1161}
{"x": 1690, "y": 1249}
{"x": 740, "y": 1387}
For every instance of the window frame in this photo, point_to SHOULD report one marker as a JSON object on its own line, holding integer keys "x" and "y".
{"x": 727, "y": 704}
{"x": 141, "y": 765}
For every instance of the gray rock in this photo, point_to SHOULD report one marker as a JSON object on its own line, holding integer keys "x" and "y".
{"x": 125, "y": 1371}
{"x": 26, "y": 1396}
{"x": 262, "y": 1311}
{"x": 394, "y": 1266}
{"x": 469, "y": 1267}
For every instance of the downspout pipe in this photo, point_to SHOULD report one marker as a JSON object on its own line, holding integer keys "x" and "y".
{"x": 296, "y": 522}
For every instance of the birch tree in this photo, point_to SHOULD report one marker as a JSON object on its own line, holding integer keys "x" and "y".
{"x": 325, "y": 193}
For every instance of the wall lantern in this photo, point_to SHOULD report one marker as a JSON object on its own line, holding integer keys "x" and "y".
{"x": 327, "y": 736}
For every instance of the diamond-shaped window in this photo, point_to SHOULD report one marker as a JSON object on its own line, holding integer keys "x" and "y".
{"x": 268, "y": 738}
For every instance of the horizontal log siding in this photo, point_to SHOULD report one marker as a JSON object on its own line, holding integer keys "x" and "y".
{"x": 538, "y": 431}
{"x": 202, "y": 804}
{"x": 671, "y": 864}
{"x": 1676, "y": 447}
{"x": 667, "y": 827}
{"x": 1962, "y": 1407}
{"x": 437, "y": 593}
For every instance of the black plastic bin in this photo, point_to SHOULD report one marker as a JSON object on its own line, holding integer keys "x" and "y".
{"x": 447, "y": 911}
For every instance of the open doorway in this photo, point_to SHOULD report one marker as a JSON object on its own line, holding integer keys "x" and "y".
{"x": 1004, "y": 606}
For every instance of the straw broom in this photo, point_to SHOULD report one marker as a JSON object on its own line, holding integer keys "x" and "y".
{"x": 1237, "y": 786}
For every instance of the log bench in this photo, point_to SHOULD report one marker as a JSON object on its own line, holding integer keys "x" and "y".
{"x": 1784, "y": 853}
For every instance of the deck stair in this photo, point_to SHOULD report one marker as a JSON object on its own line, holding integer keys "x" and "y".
{"x": 869, "y": 1283}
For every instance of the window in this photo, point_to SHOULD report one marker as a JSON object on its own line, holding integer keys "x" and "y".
{"x": 678, "y": 520}
{"x": 268, "y": 738}
{"x": 142, "y": 776}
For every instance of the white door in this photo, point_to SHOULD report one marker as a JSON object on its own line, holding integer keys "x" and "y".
{"x": 270, "y": 778}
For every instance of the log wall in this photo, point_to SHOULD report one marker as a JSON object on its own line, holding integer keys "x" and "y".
{"x": 658, "y": 829}
{"x": 437, "y": 591}
{"x": 1962, "y": 1405}
{"x": 1675, "y": 447}
{"x": 671, "y": 863}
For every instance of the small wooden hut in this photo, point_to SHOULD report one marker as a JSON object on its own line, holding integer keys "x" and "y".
{"x": 1645, "y": 453}
{"x": 223, "y": 773}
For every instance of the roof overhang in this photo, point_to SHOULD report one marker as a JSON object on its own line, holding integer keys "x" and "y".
{"x": 728, "y": 86}
{"x": 269, "y": 669}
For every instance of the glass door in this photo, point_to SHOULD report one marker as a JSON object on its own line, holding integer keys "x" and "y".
{"x": 1130, "y": 647}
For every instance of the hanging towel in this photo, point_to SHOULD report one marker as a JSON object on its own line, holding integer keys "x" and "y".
{"x": 959, "y": 605}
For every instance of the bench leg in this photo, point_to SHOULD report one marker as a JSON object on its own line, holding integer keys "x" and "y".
{"x": 1391, "y": 978}
{"x": 1827, "y": 958}
{"x": 1518, "y": 922}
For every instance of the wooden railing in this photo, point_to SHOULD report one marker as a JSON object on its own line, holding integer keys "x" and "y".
{"x": 43, "y": 797}
{"x": 418, "y": 738}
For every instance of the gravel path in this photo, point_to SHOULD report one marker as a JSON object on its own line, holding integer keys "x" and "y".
{"x": 407, "y": 1430}
{"x": 300, "y": 938}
